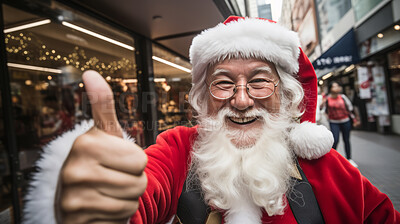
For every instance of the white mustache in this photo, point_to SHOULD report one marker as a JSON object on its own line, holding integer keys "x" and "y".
{"x": 227, "y": 112}
{"x": 218, "y": 122}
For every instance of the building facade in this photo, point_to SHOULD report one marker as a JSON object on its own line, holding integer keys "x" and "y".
{"x": 357, "y": 44}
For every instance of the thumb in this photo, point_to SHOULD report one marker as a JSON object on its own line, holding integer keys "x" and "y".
{"x": 102, "y": 101}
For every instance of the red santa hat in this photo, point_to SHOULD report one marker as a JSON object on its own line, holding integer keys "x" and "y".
{"x": 267, "y": 40}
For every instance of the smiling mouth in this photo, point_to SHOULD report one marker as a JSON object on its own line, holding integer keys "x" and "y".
{"x": 242, "y": 120}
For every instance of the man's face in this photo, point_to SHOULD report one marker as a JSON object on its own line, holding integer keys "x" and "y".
{"x": 241, "y": 72}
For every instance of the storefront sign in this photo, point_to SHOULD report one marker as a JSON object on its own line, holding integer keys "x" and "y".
{"x": 380, "y": 101}
{"x": 344, "y": 52}
{"x": 364, "y": 82}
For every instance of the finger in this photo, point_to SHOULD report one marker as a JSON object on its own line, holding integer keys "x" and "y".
{"x": 102, "y": 101}
{"x": 87, "y": 205}
{"x": 121, "y": 185}
{"x": 126, "y": 156}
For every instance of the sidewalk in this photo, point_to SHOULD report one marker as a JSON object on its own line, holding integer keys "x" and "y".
{"x": 378, "y": 159}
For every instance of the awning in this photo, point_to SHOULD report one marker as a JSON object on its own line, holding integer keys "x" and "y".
{"x": 343, "y": 52}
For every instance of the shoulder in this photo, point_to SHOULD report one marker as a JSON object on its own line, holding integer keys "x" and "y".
{"x": 179, "y": 133}
{"x": 331, "y": 165}
{"x": 343, "y": 193}
{"x": 333, "y": 177}
{"x": 178, "y": 139}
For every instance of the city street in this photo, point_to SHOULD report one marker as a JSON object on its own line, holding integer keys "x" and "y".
{"x": 378, "y": 158}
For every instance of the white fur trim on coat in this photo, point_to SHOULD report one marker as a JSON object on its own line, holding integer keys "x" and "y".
{"x": 248, "y": 38}
{"x": 39, "y": 201}
{"x": 310, "y": 141}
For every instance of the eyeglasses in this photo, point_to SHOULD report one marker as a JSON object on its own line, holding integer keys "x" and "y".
{"x": 257, "y": 88}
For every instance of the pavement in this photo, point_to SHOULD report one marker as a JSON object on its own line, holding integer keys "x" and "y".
{"x": 378, "y": 159}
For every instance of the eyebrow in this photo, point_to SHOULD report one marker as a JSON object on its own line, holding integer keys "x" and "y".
{"x": 220, "y": 71}
{"x": 262, "y": 69}
{"x": 255, "y": 71}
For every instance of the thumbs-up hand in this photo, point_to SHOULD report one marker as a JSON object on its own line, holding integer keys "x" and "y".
{"x": 102, "y": 178}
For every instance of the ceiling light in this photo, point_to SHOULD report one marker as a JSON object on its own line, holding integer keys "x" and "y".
{"x": 35, "y": 68}
{"x": 91, "y": 33}
{"x": 28, "y": 82}
{"x": 348, "y": 69}
{"x": 397, "y": 27}
{"x": 26, "y": 26}
{"x": 327, "y": 76}
{"x": 160, "y": 79}
{"x": 130, "y": 80}
{"x": 380, "y": 35}
{"x": 135, "y": 80}
{"x": 321, "y": 82}
{"x": 171, "y": 64}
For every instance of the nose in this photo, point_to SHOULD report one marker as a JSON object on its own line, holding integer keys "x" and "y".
{"x": 241, "y": 100}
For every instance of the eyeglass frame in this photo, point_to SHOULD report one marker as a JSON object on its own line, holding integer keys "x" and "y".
{"x": 247, "y": 90}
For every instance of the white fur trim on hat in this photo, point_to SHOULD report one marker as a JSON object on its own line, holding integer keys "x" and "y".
{"x": 39, "y": 201}
{"x": 310, "y": 141}
{"x": 248, "y": 38}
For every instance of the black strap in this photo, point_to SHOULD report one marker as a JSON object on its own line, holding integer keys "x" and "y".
{"x": 192, "y": 208}
{"x": 302, "y": 201}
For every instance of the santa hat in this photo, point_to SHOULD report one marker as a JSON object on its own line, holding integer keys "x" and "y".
{"x": 267, "y": 40}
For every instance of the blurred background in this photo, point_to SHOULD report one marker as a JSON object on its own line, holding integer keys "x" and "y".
{"x": 141, "y": 48}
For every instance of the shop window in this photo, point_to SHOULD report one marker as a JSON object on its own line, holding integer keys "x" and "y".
{"x": 330, "y": 12}
{"x": 362, "y": 7}
{"x": 394, "y": 76}
{"x": 47, "y": 52}
{"x": 172, "y": 83}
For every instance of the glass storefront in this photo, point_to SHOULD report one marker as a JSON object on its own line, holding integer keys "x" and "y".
{"x": 47, "y": 52}
{"x": 172, "y": 84}
{"x": 48, "y": 46}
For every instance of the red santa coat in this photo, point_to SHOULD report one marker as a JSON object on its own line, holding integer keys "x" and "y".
{"x": 343, "y": 194}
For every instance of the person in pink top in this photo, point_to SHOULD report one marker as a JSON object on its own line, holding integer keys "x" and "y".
{"x": 340, "y": 110}
{"x": 256, "y": 155}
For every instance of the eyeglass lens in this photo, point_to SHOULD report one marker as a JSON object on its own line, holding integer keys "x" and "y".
{"x": 259, "y": 88}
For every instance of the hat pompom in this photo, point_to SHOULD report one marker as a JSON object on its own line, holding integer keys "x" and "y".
{"x": 310, "y": 141}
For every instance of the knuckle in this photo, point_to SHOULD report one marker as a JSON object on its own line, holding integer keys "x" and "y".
{"x": 74, "y": 173}
{"x": 82, "y": 143}
{"x": 133, "y": 207}
{"x": 124, "y": 210}
{"x": 141, "y": 158}
{"x": 70, "y": 203}
{"x": 142, "y": 184}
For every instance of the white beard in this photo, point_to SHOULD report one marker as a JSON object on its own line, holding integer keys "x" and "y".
{"x": 243, "y": 180}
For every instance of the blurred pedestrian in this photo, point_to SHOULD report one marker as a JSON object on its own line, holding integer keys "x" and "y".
{"x": 340, "y": 113}
{"x": 320, "y": 116}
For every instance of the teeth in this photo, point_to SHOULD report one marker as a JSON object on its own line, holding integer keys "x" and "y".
{"x": 242, "y": 119}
